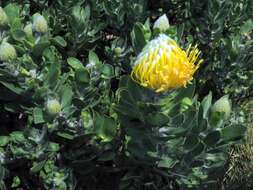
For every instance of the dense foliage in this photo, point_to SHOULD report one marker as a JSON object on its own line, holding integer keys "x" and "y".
{"x": 72, "y": 117}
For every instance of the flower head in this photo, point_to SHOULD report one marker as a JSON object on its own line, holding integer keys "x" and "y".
{"x": 163, "y": 65}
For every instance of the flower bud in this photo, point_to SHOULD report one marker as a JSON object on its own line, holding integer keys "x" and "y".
{"x": 28, "y": 30}
{"x": 118, "y": 51}
{"x": 7, "y": 52}
{"x": 53, "y": 107}
{"x": 40, "y": 24}
{"x": 3, "y": 17}
{"x": 24, "y": 72}
{"x": 223, "y": 105}
{"x": 162, "y": 23}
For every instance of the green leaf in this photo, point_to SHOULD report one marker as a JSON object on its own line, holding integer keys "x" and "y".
{"x": 185, "y": 92}
{"x": 137, "y": 149}
{"x": 127, "y": 105}
{"x": 81, "y": 15}
{"x": 138, "y": 37}
{"x": 212, "y": 138}
{"x": 53, "y": 74}
{"x": 93, "y": 58}
{"x": 133, "y": 88}
{"x": 38, "y": 115}
{"x": 82, "y": 75}
{"x": 106, "y": 156}
{"x": 18, "y": 34}
{"x": 75, "y": 63}
{"x": 37, "y": 166}
{"x": 2, "y": 174}
{"x": 191, "y": 142}
{"x": 180, "y": 31}
{"x": 197, "y": 150}
{"x": 234, "y": 132}
{"x": 59, "y": 41}
{"x": 246, "y": 27}
{"x": 65, "y": 135}
{"x": 66, "y": 96}
{"x": 104, "y": 127}
{"x": 107, "y": 71}
{"x": 13, "y": 87}
{"x": 16, "y": 182}
{"x": 17, "y": 137}
{"x": 39, "y": 48}
{"x": 13, "y": 12}
{"x": 176, "y": 131}
{"x": 157, "y": 119}
{"x": 2, "y": 185}
{"x": 167, "y": 162}
{"x": 53, "y": 147}
{"x": 4, "y": 140}
{"x": 205, "y": 106}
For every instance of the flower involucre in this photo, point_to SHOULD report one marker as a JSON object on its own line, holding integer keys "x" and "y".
{"x": 163, "y": 65}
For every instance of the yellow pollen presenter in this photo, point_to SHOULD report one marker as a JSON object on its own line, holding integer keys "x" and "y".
{"x": 163, "y": 65}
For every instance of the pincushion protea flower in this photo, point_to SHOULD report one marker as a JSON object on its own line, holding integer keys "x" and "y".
{"x": 163, "y": 65}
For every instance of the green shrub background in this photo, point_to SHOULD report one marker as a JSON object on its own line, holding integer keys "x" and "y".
{"x": 110, "y": 133}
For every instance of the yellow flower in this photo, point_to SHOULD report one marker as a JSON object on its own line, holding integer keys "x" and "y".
{"x": 163, "y": 65}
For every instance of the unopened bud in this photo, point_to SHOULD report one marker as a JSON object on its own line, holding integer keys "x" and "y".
{"x": 118, "y": 51}
{"x": 24, "y": 72}
{"x": 7, "y": 52}
{"x": 3, "y": 17}
{"x": 162, "y": 23}
{"x": 53, "y": 107}
{"x": 28, "y": 30}
{"x": 40, "y": 24}
{"x": 223, "y": 105}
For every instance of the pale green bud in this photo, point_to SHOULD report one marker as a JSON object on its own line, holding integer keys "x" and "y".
{"x": 7, "y": 52}
{"x": 162, "y": 23}
{"x": 223, "y": 105}
{"x": 118, "y": 51}
{"x": 3, "y": 17}
{"x": 40, "y": 24}
{"x": 24, "y": 72}
{"x": 53, "y": 107}
{"x": 28, "y": 30}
